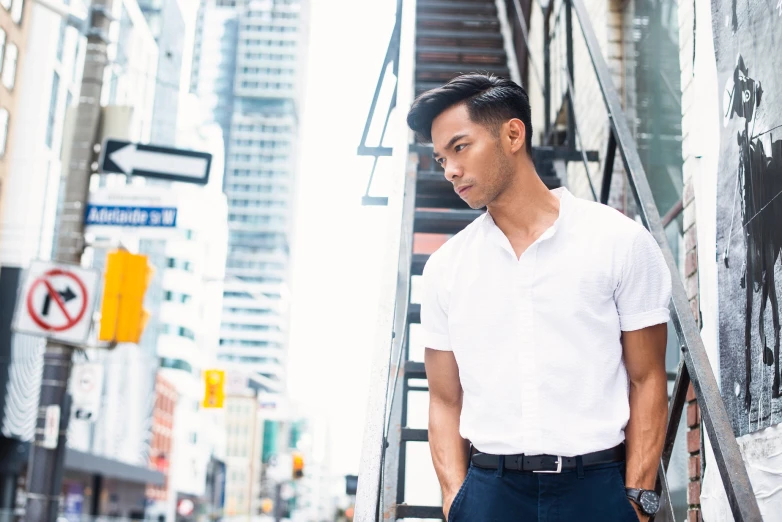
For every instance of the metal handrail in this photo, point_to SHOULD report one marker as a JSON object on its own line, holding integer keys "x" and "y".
{"x": 378, "y": 151}
{"x": 695, "y": 366}
{"x": 374, "y": 495}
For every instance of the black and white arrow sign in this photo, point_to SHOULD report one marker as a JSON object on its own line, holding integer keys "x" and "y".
{"x": 123, "y": 157}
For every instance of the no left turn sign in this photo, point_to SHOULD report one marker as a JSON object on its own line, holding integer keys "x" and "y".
{"x": 57, "y": 302}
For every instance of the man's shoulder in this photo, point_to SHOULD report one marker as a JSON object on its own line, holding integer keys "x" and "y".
{"x": 612, "y": 223}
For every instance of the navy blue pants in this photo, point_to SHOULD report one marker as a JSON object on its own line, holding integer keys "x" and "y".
{"x": 598, "y": 495}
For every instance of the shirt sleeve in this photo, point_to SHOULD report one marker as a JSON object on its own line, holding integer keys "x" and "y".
{"x": 644, "y": 289}
{"x": 434, "y": 309}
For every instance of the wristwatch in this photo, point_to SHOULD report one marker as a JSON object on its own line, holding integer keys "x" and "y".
{"x": 647, "y": 500}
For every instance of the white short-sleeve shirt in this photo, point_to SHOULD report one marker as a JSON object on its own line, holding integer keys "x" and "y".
{"x": 537, "y": 338}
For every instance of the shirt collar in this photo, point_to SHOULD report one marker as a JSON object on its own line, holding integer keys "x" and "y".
{"x": 493, "y": 232}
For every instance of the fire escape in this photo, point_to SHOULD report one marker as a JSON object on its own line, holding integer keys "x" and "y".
{"x": 432, "y": 42}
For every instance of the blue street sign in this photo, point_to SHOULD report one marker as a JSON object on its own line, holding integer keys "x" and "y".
{"x": 131, "y": 216}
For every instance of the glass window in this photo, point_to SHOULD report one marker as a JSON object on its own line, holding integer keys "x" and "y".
{"x": 3, "y": 130}
{"x": 61, "y": 41}
{"x": 16, "y": 11}
{"x": 2, "y": 48}
{"x": 52, "y": 109}
{"x": 9, "y": 66}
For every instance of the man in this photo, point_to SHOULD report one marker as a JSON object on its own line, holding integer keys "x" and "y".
{"x": 545, "y": 325}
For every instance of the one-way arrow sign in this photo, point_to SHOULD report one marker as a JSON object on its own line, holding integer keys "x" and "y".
{"x": 124, "y": 157}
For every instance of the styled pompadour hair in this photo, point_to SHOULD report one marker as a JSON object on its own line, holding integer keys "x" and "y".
{"x": 490, "y": 101}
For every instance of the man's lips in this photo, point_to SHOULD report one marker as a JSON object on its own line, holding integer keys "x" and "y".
{"x": 462, "y": 190}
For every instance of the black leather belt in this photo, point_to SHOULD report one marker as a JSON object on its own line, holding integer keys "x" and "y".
{"x": 548, "y": 463}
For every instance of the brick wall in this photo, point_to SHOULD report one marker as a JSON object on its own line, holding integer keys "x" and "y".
{"x": 686, "y": 42}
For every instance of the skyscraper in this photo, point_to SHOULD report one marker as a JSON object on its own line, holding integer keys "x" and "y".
{"x": 248, "y": 69}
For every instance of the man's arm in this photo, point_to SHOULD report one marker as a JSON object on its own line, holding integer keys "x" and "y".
{"x": 449, "y": 449}
{"x": 644, "y": 357}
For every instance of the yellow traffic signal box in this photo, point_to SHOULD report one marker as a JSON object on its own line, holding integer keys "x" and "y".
{"x": 214, "y": 393}
{"x": 298, "y": 466}
{"x": 123, "y": 317}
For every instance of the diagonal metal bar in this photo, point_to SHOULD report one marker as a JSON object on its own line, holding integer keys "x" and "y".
{"x": 608, "y": 168}
{"x": 728, "y": 459}
{"x": 666, "y": 508}
{"x": 577, "y": 132}
{"x": 678, "y": 397}
{"x": 525, "y": 33}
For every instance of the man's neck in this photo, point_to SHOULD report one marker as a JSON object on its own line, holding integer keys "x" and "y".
{"x": 526, "y": 209}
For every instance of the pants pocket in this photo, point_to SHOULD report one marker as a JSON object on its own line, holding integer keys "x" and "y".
{"x": 457, "y": 500}
{"x": 626, "y": 511}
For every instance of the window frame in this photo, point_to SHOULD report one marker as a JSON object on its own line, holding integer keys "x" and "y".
{"x": 6, "y": 62}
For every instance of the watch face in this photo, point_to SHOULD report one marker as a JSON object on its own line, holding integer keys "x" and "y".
{"x": 650, "y": 502}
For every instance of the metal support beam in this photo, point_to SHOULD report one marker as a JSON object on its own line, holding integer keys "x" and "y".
{"x": 547, "y": 71}
{"x": 571, "y": 110}
{"x": 608, "y": 168}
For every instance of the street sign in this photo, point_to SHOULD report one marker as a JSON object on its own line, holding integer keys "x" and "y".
{"x": 146, "y": 212}
{"x": 130, "y": 216}
{"x": 51, "y": 426}
{"x": 151, "y": 161}
{"x": 86, "y": 389}
{"x": 57, "y": 302}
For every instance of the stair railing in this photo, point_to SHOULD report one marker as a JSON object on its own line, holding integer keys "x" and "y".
{"x": 694, "y": 366}
{"x": 378, "y": 470}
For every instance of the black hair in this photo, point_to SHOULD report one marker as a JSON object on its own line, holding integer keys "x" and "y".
{"x": 490, "y": 101}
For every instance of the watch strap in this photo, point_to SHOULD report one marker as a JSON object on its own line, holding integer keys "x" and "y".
{"x": 634, "y": 494}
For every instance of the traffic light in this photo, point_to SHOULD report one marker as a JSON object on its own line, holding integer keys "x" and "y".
{"x": 214, "y": 394}
{"x": 298, "y": 466}
{"x": 123, "y": 316}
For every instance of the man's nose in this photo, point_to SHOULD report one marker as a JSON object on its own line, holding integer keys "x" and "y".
{"x": 452, "y": 170}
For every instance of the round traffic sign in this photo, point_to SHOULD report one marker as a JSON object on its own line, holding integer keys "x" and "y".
{"x": 54, "y": 286}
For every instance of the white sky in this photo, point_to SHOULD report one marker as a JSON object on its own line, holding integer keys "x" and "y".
{"x": 339, "y": 244}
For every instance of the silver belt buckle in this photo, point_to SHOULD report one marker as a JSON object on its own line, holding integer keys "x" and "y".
{"x": 558, "y": 470}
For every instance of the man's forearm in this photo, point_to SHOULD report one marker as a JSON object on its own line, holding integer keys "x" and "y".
{"x": 449, "y": 449}
{"x": 645, "y": 432}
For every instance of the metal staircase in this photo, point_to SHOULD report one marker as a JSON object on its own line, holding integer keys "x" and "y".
{"x": 434, "y": 41}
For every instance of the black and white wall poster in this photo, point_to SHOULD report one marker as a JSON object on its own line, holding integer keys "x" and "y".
{"x": 748, "y": 47}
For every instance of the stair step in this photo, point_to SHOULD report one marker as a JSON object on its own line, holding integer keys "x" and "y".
{"x": 419, "y": 261}
{"x": 415, "y": 435}
{"x": 446, "y": 69}
{"x": 415, "y": 370}
{"x": 434, "y": 191}
{"x": 414, "y": 313}
{"x": 457, "y": 7}
{"x": 408, "y": 511}
{"x": 426, "y": 86}
{"x": 449, "y": 34}
{"x": 444, "y": 49}
{"x": 472, "y": 20}
{"x": 443, "y": 222}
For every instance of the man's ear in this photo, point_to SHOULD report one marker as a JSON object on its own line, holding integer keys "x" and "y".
{"x": 516, "y": 134}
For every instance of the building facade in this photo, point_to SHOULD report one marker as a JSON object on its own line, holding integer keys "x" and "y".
{"x": 14, "y": 24}
{"x": 247, "y": 63}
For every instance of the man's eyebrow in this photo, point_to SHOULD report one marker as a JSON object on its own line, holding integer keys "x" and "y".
{"x": 450, "y": 144}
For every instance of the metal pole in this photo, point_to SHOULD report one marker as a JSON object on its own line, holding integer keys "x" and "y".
{"x": 547, "y": 72}
{"x": 44, "y": 474}
{"x": 571, "y": 111}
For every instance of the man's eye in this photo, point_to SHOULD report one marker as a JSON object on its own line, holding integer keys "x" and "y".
{"x": 440, "y": 161}
{"x": 459, "y": 147}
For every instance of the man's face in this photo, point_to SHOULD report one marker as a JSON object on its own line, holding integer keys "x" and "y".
{"x": 472, "y": 156}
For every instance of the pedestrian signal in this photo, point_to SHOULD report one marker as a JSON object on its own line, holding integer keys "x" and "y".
{"x": 215, "y": 388}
